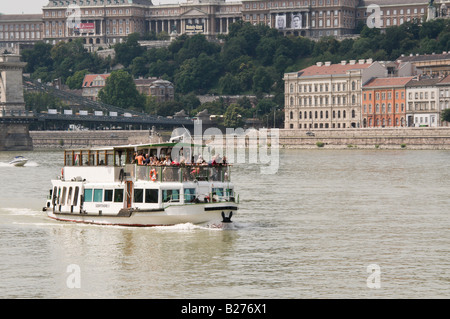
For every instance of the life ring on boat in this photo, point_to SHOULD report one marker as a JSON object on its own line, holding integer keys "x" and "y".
{"x": 153, "y": 175}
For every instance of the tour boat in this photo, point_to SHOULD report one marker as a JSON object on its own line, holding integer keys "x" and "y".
{"x": 109, "y": 186}
{"x": 19, "y": 161}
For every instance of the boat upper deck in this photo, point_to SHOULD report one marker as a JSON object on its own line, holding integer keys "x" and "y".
{"x": 116, "y": 164}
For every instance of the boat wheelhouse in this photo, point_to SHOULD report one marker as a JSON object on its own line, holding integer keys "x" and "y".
{"x": 110, "y": 186}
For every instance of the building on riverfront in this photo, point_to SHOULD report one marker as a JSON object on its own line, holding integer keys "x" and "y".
{"x": 384, "y": 102}
{"x": 435, "y": 64}
{"x": 423, "y": 101}
{"x": 328, "y": 95}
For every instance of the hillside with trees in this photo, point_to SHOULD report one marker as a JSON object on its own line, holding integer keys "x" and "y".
{"x": 249, "y": 60}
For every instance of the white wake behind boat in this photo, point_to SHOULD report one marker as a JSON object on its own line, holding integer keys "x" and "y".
{"x": 105, "y": 186}
{"x": 19, "y": 161}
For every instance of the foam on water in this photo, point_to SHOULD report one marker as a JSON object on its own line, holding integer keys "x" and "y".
{"x": 184, "y": 227}
{"x": 27, "y": 164}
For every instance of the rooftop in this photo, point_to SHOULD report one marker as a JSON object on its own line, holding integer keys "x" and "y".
{"x": 58, "y": 3}
{"x": 425, "y": 57}
{"x": 365, "y": 3}
{"x": 329, "y": 69}
{"x": 388, "y": 82}
{"x": 20, "y": 17}
{"x": 90, "y": 78}
{"x": 417, "y": 81}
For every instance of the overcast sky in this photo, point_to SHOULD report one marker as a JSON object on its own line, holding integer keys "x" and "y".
{"x": 35, "y": 6}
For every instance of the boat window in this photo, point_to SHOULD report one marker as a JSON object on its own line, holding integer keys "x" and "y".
{"x": 63, "y": 197}
{"x": 130, "y": 157}
{"x": 54, "y": 198}
{"x": 88, "y": 195}
{"x": 92, "y": 159}
{"x": 172, "y": 195}
{"x": 138, "y": 195}
{"x": 77, "y": 161}
{"x": 151, "y": 196}
{"x": 84, "y": 158}
{"x": 108, "y": 195}
{"x": 98, "y": 195}
{"x": 120, "y": 158}
{"x": 68, "y": 159}
{"x": 229, "y": 192}
{"x": 59, "y": 194}
{"x": 189, "y": 194}
{"x": 110, "y": 157}
{"x": 69, "y": 197}
{"x": 101, "y": 158}
{"x": 75, "y": 196}
{"x": 118, "y": 195}
{"x": 218, "y": 191}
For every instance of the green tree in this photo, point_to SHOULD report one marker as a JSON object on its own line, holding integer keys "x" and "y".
{"x": 445, "y": 115}
{"x": 189, "y": 101}
{"x": 265, "y": 106}
{"x": 139, "y": 67}
{"x": 262, "y": 81}
{"x": 120, "y": 90}
{"x": 75, "y": 82}
{"x": 44, "y": 74}
{"x": 41, "y": 101}
{"x": 38, "y": 56}
{"x": 232, "y": 117}
{"x": 128, "y": 50}
{"x": 229, "y": 84}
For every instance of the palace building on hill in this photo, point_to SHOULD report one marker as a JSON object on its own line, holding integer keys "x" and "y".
{"x": 100, "y": 23}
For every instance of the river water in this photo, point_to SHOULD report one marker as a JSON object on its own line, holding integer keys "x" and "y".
{"x": 329, "y": 224}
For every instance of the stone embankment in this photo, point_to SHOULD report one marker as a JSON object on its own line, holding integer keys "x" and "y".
{"x": 383, "y": 138}
{"x": 386, "y": 138}
{"x": 83, "y": 139}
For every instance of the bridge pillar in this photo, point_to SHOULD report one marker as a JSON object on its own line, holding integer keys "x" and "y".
{"x": 14, "y": 126}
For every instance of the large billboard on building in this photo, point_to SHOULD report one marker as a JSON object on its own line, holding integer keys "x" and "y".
{"x": 193, "y": 28}
{"x": 280, "y": 21}
{"x": 84, "y": 27}
{"x": 296, "y": 21}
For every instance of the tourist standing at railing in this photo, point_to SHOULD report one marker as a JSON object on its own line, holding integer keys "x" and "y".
{"x": 147, "y": 159}
{"x": 140, "y": 159}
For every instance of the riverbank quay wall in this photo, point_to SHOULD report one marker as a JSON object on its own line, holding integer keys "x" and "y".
{"x": 85, "y": 139}
{"x": 368, "y": 138}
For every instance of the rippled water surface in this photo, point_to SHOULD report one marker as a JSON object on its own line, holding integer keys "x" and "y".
{"x": 310, "y": 231}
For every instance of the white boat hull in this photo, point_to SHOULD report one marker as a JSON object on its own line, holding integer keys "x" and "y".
{"x": 18, "y": 162}
{"x": 209, "y": 214}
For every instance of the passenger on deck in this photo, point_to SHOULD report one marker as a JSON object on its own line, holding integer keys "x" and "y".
{"x": 167, "y": 161}
{"x": 147, "y": 160}
{"x": 140, "y": 159}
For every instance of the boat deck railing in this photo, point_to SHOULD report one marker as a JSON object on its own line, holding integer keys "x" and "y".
{"x": 187, "y": 173}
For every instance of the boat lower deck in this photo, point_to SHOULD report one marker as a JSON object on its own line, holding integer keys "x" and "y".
{"x": 203, "y": 213}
